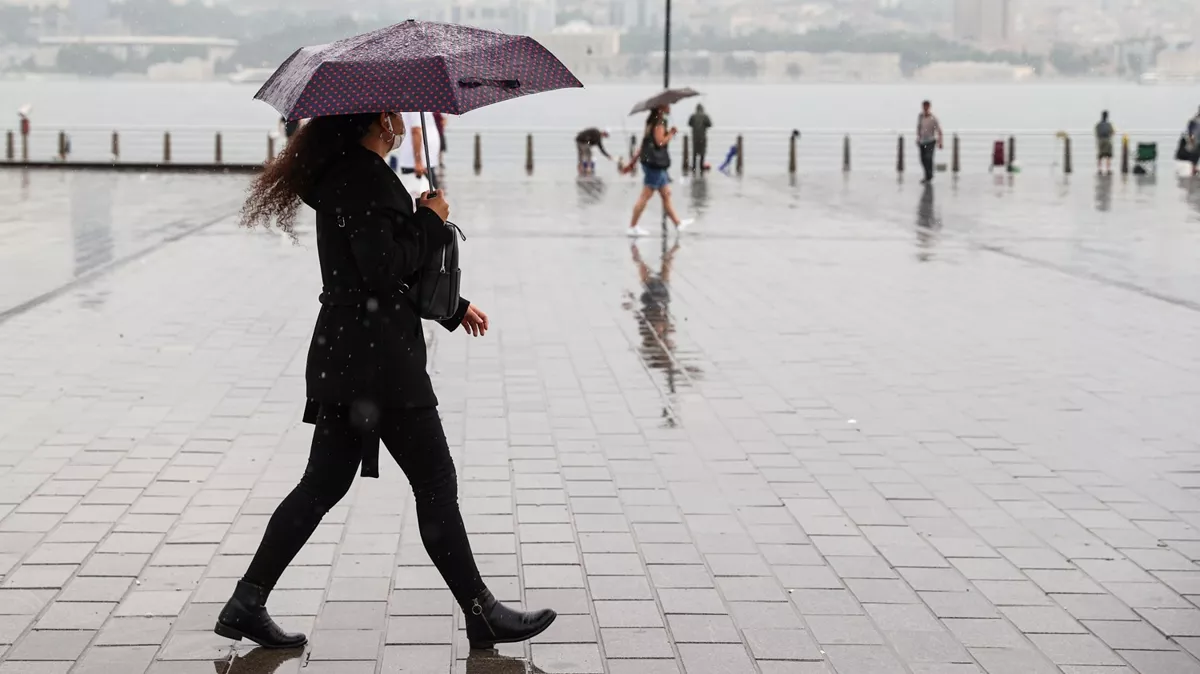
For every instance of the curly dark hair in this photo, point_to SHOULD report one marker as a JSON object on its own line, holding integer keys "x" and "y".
{"x": 275, "y": 193}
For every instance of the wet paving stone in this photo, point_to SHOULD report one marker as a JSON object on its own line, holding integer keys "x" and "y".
{"x": 955, "y": 437}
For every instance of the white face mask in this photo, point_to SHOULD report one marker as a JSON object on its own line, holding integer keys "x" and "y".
{"x": 397, "y": 138}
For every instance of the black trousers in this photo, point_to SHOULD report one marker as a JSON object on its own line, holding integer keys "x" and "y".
{"x": 416, "y": 441}
{"x": 927, "y": 150}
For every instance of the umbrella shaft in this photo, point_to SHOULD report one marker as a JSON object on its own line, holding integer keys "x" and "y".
{"x": 428, "y": 160}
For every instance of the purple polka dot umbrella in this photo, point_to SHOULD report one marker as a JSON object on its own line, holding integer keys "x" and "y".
{"x": 415, "y": 66}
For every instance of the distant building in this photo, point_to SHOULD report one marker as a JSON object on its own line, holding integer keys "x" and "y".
{"x": 587, "y": 51}
{"x": 510, "y": 16}
{"x": 973, "y": 71}
{"x": 831, "y": 67}
{"x": 633, "y": 14}
{"x": 988, "y": 22}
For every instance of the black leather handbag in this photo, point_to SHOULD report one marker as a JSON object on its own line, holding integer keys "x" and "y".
{"x": 434, "y": 289}
{"x": 655, "y": 156}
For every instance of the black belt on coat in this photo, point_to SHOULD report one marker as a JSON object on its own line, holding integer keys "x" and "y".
{"x": 364, "y": 418}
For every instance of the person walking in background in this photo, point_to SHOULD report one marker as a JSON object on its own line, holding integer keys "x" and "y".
{"x": 366, "y": 375}
{"x": 1104, "y": 145}
{"x": 655, "y": 159}
{"x": 929, "y": 138}
{"x": 584, "y": 142}
{"x": 1193, "y": 132}
{"x": 700, "y": 124}
{"x": 440, "y": 120}
{"x": 410, "y": 155}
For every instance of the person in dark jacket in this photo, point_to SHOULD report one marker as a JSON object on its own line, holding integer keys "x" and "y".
{"x": 366, "y": 375}
{"x": 584, "y": 142}
{"x": 700, "y": 123}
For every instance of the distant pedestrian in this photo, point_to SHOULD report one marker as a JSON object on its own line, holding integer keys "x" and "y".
{"x": 700, "y": 123}
{"x": 1193, "y": 132}
{"x": 410, "y": 156}
{"x": 1104, "y": 145}
{"x": 440, "y": 120}
{"x": 655, "y": 159}
{"x": 584, "y": 142}
{"x": 23, "y": 113}
{"x": 929, "y": 138}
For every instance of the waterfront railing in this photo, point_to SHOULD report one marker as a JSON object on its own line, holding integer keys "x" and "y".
{"x": 761, "y": 151}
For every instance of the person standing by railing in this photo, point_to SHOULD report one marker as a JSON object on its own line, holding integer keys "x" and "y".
{"x": 1193, "y": 131}
{"x": 700, "y": 123}
{"x": 929, "y": 138}
{"x": 1104, "y": 145}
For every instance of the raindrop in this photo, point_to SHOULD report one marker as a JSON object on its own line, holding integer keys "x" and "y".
{"x": 322, "y": 375}
{"x": 321, "y": 340}
{"x": 852, "y": 421}
{"x": 372, "y": 304}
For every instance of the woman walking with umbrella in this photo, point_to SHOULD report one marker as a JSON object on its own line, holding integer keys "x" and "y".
{"x": 655, "y": 158}
{"x": 366, "y": 373}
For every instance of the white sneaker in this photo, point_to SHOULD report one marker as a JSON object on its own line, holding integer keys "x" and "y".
{"x": 636, "y": 232}
{"x": 684, "y": 224}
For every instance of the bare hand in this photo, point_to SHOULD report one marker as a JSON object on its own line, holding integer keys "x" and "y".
{"x": 436, "y": 203}
{"x": 475, "y": 322}
{"x": 418, "y": 168}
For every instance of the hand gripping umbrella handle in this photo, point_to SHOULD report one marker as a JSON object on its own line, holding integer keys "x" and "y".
{"x": 428, "y": 160}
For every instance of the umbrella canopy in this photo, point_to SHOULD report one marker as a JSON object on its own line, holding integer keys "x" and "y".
{"x": 668, "y": 97}
{"x": 413, "y": 66}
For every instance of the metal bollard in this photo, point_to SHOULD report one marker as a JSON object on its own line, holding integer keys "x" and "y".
{"x": 1067, "y": 168}
{"x": 741, "y": 155}
{"x": 62, "y": 145}
{"x": 167, "y": 147}
{"x": 217, "y": 149}
{"x": 270, "y": 148}
{"x": 687, "y": 155}
{"x": 1012, "y": 152}
{"x": 10, "y": 147}
{"x": 24, "y": 146}
{"x": 846, "y": 154}
{"x": 529, "y": 153}
{"x": 900, "y": 154}
{"x": 792, "y": 152}
{"x": 478, "y": 164}
{"x": 1124, "y": 155}
{"x": 116, "y": 146}
{"x": 955, "y": 155}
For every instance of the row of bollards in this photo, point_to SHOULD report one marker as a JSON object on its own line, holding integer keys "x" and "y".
{"x": 1007, "y": 161}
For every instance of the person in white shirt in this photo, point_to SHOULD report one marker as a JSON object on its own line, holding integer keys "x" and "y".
{"x": 410, "y": 156}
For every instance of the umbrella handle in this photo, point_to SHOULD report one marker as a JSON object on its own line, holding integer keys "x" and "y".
{"x": 428, "y": 160}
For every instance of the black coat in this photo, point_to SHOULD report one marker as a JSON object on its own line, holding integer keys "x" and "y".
{"x": 368, "y": 347}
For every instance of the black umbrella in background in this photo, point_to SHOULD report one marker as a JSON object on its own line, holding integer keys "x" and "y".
{"x": 668, "y": 97}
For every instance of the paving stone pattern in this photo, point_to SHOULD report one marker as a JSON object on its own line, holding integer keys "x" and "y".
{"x": 843, "y": 445}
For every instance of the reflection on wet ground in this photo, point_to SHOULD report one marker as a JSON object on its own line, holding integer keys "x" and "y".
{"x": 898, "y": 414}
{"x": 57, "y": 227}
{"x": 652, "y": 309}
{"x": 929, "y": 223}
{"x": 261, "y": 661}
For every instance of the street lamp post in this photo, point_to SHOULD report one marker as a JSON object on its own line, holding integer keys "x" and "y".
{"x": 667, "y": 48}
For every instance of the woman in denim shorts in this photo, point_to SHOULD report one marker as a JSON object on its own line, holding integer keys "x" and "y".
{"x": 655, "y": 160}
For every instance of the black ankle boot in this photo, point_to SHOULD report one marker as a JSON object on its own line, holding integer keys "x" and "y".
{"x": 489, "y": 622}
{"x": 245, "y": 615}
